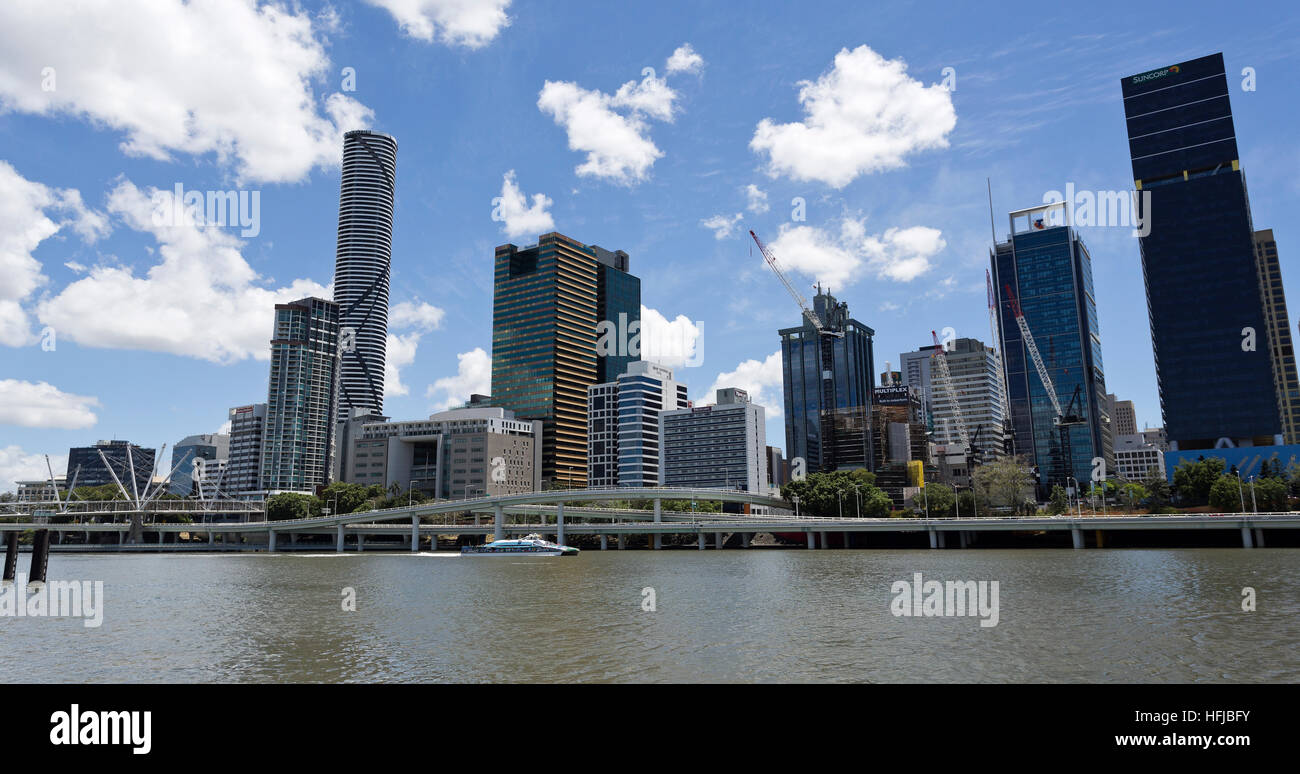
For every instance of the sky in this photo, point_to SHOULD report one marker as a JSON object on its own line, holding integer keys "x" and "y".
{"x": 856, "y": 139}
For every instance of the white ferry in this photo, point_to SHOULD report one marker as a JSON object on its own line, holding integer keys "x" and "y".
{"x": 529, "y": 545}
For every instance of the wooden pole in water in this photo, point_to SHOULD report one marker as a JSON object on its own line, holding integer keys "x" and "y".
{"x": 40, "y": 556}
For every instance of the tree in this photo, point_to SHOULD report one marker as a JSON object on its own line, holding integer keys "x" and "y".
{"x": 1271, "y": 494}
{"x": 936, "y": 499}
{"x": 1060, "y": 501}
{"x": 1133, "y": 494}
{"x": 289, "y": 505}
{"x": 824, "y": 494}
{"x": 1193, "y": 480}
{"x": 1226, "y": 494}
{"x": 1158, "y": 490}
{"x": 968, "y": 504}
{"x": 7, "y": 497}
{"x": 1004, "y": 483}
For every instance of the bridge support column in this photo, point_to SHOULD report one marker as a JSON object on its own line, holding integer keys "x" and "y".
{"x": 338, "y": 538}
{"x": 270, "y": 541}
{"x": 1076, "y": 535}
{"x": 361, "y": 542}
{"x": 699, "y": 543}
{"x": 812, "y": 540}
{"x": 821, "y": 538}
{"x": 604, "y": 542}
{"x": 961, "y": 536}
{"x": 559, "y": 523}
{"x": 717, "y": 538}
{"x": 499, "y": 526}
{"x": 934, "y": 538}
{"x": 1247, "y": 539}
{"x": 40, "y": 556}
{"x": 659, "y": 539}
{"x": 1259, "y": 537}
{"x": 744, "y": 539}
{"x": 11, "y": 555}
{"x": 415, "y": 533}
{"x": 212, "y": 537}
{"x": 121, "y": 537}
{"x": 622, "y": 541}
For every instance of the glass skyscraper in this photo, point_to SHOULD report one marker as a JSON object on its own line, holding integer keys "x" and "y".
{"x": 827, "y": 382}
{"x": 547, "y": 302}
{"x": 298, "y": 434}
{"x": 1208, "y": 326}
{"x": 1050, "y": 272}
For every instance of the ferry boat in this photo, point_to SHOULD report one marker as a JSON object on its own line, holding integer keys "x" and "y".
{"x": 529, "y": 545}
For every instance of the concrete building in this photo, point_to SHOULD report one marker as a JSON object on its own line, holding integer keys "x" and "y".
{"x": 974, "y": 371}
{"x": 345, "y": 436}
{"x": 244, "y": 463}
{"x": 1281, "y": 351}
{"x": 298, "y": 439}
{"x": 209, "y": 447}
{"x": 1135, "y": 457}
{"x": 1156, "y": 437}
{"x": 453, "y": 455}
{"x": 778, "y": 469}
{"x": 623, "y": 417}
{"x": 41, "y": 491}
{"x": 1124, "y": 420}
{"x": 87, "y": 466}
{"x": 916, "y": 375}
{"x": 362, "y": 267}
{"x": 720, "y": 446}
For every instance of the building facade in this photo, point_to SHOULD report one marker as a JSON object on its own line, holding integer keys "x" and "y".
{"x": 623, "y": 417}
{"x": 827, "y": 380}
{"x": 210, "y": 447}
{"x": 1281, "y": 351}
{"x": 974, "y": 371}
{"x": 362, "y": 266}
{"x": 1215, "y": 381}
{"x": 243, "y": 477}
{"x": 546, "y": 310}
{"x": 1136, "y": 458}
{"x": 1048, "y": 271}
{"x": 86, "y": 466}
{"x": 41, "y": 491}
{"x": 298, "y": 436}
{"x": 723, "y": 446}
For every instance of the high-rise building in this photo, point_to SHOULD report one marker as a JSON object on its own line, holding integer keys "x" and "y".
{"x": 1049, "y": 272}
{"x": 1136, "y": 458}
{"x": 1280, "y": 350}
{"x": 623, "y": 417}
{"x": 916, "y": 374}
{"x": 723, "y": 446}
{"x": 455, "y": 454}
{"x": 362, "y": 266}
{"x": 298, "y": 438}
{"x": 546, "y": 309}
{"x": 87, "y": 466}
{"x": 974, "y": 371}
{"x": 1209, "y": 331}
{"x": 618, "y": 314}
{"x": 209, "y": 447}
{"x": 243, "y": 476}
{"x": 827, "y": 380}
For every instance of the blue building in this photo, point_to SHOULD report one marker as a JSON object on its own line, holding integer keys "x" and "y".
{"x": 1198, "y": 261}
{"x": 623, "y": 420}
{"x": 210, "y": 447}
{"x": 1048, "y": 271}
{"x": 828, "y": 380}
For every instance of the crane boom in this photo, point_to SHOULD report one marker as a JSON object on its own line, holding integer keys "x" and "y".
{"x": 945, "y": 378}
{"x": 997, "y": 347}
{"x": 798, "y": 298}
{"x": 1033, "y": 352}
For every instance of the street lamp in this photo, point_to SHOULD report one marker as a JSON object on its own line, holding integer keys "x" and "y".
{"x": 857, "y": 496}
{"x": 956, "y": 499}
{"x": 927, "y": 500}
{"x": 1254, "y": 504}
{"x": 1240, "y": 493}
{"x": 841, "y": 494}
{"x": 1078, "y": 492}
{"x": 793, "y": 498}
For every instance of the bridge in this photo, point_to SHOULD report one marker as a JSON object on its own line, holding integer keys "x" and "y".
{"x": 546, "y": 512}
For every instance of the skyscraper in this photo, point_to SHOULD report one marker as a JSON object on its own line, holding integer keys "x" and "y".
{"x": 1280, "y": 349}
{"x": 547, "y": 306}
{"x": 209, "y": 447}
{"x": 298, "y": 437}
{"x": 973, "y": 369}
{"x": 244, "y": 465}
{"x": 827, "y": 381}
{"x": 624, "y": 425}
{"x": 618, "y": 307}
{"x": 1208, "y": 326}
{"x": 362, "y": 266}
{"x": 1049, "y": 274}
{"x": 87, "y": 466}
{"x": 723, "y": 446}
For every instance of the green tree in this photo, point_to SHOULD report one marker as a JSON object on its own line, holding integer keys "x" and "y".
{"x": 1271, "y": 494}
{"x": 824, "y": 494}
{"x": 1133, "y": 494}
{"x": 1159, "y": 492}
{"x": 938, "y": 500}
{"x": 968, "y": 504}
{"x": 1004, "y": 484}
{"x": 1226, "y": 494}
{"x": 290, "y": 505}
{"x": 1193, "y": 480}
{"x": 1059, "y": 502}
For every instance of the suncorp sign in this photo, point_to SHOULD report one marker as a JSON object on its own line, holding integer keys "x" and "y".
{"x": 1151, "y": 76}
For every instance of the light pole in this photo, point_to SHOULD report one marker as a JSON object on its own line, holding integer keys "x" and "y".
{"x": 795, "y": 499}
{"x": 841, "y": 494}
{"x": 927, "y": 502}
{"x": 1240, "y": 492}
{"x": 956, "y": 499}
{"x": 857, "y": 496}
{"x": 1078, "y": 492}
{"x": 1254, "y": 504}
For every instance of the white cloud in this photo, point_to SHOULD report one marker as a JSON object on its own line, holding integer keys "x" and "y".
{"x": 400, "y": 351}
{"x": 839, "y": 260}
{"x": 18, "y": 465}
{"x": 722, "y": 225}
{"x": 757, "y": 199}
{"x": 423, "y": 317}
{"x": 865, "y": 115}
{"x": 672, "y": 343}
{"x": 517, "y": 217}
{"x": 469, "y": 23}
{"x": 231, "y": 78}
{"x": 762, "y": 379}
{"x": 473, "y": 376}
{"x": 40, "y": 404}
{"x": 26, "y": 208}
{"x": 685, "y": 60}
{"x": 202, "y": 300}
{"x": 612, "y": 130}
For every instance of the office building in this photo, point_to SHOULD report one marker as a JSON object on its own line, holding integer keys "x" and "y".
{"x": 718, "y": 446}
{"x": 974, "y": 371}
{"x": 345, "y": 435}
{"x": 41, "y": 491}
{"x": 827, "y": 379}
{"x": 1124, "y": 417}
{"x": 623, "y": 417}
{"x": 1156, "y": 437}
{"x": 1199, "y": 263}
{"x": 362, "y": 268}
{"x": 778, "y": 469}
{"x": 547, "y": 303}
{"x": 1136, "y": 458}
{"x": 243, "y": 475}
{"x": 1280, "y": 350}
{"x": 86, "y": 466}
{"x": 456, "y": 454}
{"x": 1046, "y": 270}
{"x": 298, "y": 436}
{"x": 210, "y": 447}
{"x": 618, "y": 314}
{"x": 916, "y": 375}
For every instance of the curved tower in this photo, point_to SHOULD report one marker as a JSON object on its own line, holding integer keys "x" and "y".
{"x": 361, "y": 267}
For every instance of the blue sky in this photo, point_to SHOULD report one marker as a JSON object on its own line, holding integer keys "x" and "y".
{"x": 159, "y": 328}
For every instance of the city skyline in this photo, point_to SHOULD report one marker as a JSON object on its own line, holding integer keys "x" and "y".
{"x": 443, "y": 316}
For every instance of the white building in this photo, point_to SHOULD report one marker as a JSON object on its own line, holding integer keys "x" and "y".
{"x": 975, "y": 379}
{"x": 1135, "y": 456}
{"x": 40, "y": 491}
{"x": 623, "y": 425}
{"x": 719, "y": 446}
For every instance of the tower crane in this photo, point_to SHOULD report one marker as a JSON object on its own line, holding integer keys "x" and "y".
{"x": 945, "y": 379}
{"x": 997, "y": 355}
{"x": 808, "y": 312}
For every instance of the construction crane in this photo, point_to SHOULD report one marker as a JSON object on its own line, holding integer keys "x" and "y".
{"x": 798, "y": 297}
{"x": 945, "y": 379}
{"x": 997, "y": 353}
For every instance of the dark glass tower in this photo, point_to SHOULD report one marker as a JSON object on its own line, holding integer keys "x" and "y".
{"x": 827, "y": 381}
{"x": 618, "y": 302}
{"x": 1049, "y": 271}
{"x": 362, "y": 267}
{"x": 547, "y": 302}
{"x": 1198, "y": 261}
{"x": 87, "y": 466}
